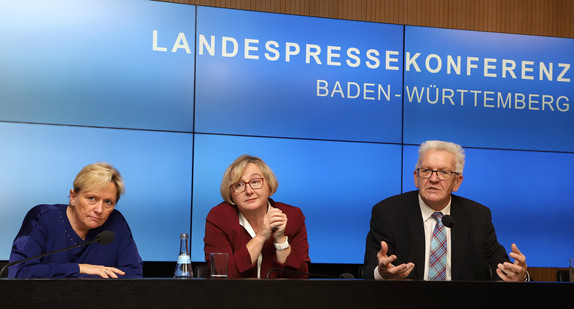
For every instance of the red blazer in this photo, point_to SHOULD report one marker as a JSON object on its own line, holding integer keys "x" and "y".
{"x": 224, "y": 234}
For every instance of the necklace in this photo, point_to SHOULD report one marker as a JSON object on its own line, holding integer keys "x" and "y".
{"x": 64, "y": 224}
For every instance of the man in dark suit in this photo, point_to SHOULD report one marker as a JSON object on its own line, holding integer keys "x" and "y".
{"x": 402, "y": 244}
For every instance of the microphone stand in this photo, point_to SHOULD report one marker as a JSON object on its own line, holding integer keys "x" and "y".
{"x": 104, "y": 237}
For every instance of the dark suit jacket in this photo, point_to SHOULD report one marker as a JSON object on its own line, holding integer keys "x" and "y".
{"x": 398, "y": 221}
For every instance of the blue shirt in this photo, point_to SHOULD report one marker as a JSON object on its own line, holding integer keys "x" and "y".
{"x": 46, "y": 228}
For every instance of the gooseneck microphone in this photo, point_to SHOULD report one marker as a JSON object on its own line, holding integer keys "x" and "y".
{"x": 346, "y": 276}
{"x": 103, "y": 238}
{"x": 342, "y": 276}
{"x": 448, "y": 221}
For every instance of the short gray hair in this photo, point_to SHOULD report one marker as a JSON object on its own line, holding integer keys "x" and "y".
{"x": 453, "y": 148}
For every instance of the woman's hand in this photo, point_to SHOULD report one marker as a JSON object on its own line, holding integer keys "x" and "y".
{"x": 100, "y": 270}
{"x": 278, "y": 221}
{"x": 274, "y": 224}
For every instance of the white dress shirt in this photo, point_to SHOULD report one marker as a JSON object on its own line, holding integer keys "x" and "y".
{"x": 243, "y": 222}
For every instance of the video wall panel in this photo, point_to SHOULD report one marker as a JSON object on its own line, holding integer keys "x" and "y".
{"x": 327, "y": 180}
{"x": 491, "y": 90}
{"x": 97, "y": 63}
{"x": 526, "y": 192}
{"x": 321, "y": 78}
{"x": 39, "y": 164}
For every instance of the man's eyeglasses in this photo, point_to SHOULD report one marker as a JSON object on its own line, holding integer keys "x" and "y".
{"x": 255, "y": 184}
{"x": 426, "y": 173}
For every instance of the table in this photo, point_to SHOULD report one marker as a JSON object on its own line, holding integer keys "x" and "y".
{"x": 276, "y": 293}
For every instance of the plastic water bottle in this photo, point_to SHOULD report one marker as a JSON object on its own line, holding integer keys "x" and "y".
{"x": 183, "y": 268}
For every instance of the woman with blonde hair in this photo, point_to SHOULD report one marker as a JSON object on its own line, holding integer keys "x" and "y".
{"x": 263, "y": 238}
{"x": 91, "y": 210}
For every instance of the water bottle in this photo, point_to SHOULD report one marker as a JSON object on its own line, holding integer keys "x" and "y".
{"x": 183, "y": 268}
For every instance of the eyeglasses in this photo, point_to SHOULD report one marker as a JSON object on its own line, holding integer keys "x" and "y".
{"x": 426, "y": 173}
{"x": 255, "y": 184}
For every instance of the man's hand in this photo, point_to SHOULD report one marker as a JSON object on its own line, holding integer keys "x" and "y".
{"x": 513, "y": 271}
{"x": 387, "y": 270}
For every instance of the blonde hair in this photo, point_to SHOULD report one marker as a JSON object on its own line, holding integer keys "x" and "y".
{"x": 453, "y": 148}
{"x": 97, "y": 175}
{"x": 234, "y": 172}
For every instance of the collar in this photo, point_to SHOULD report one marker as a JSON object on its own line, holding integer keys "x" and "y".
{"x": 427, "y": 211}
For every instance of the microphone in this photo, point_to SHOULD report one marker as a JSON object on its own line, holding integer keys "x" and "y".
{"x": 346, "y": 276}
{"x": 103, "y": 238}
{"x": 448, "y": 221}
{"x": 490, "y": 272}
{"x": 342, "y": 276}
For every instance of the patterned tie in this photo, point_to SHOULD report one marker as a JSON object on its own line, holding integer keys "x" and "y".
{"x": 437, "y": 259}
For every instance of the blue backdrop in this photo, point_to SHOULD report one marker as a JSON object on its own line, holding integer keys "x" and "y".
{"x": 171, "y": 94}
{"x": 502, "y": 91}
{"x": 307, "y": 89}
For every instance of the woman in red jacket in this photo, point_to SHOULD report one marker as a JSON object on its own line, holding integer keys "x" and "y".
{"x": 264, "y": 238}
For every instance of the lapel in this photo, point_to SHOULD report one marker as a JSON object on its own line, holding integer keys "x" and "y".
{"x": 459, "y": 236}
{"x": 417, "y": 231}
